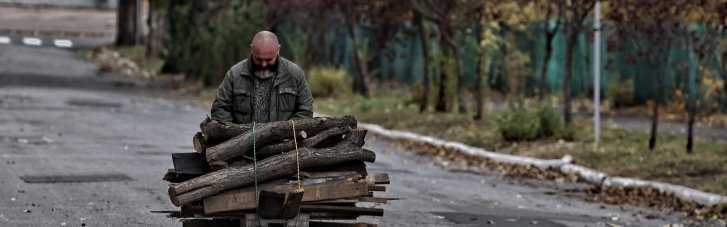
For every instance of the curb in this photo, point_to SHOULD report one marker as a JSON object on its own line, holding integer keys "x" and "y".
{"x": 563, "y": 165}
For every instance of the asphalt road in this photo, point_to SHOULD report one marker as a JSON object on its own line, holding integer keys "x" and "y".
{"x": 60, "y": 122}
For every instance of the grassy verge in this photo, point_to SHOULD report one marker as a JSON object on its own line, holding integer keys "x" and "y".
{"x": 621, "y": 153}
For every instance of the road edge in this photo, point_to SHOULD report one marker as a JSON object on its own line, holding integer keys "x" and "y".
{"x": 562, "y": 165}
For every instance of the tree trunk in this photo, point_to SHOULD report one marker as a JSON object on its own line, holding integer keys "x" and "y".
{"x": 157, "y": 27}
{"x": 359, "y": 81}
{"x": 567, "y": 78}
{"x": 126, "y": 23}
{"x": 690, "y": 131}
{"x": 724, "y": 76}
{"x": 544, "y": 70}
{"x": 424, "y": 102}
{"x": 448, "y": 38}
{"x": 441, "y": 105}
{"x": 655, "y": 112}
{"x": 693, "y": 94}
{"x": 268, "y": 133}
{"x": 270, "y": 168}
{"x": 478, "y": 76}
{"x": 460, "y": 79}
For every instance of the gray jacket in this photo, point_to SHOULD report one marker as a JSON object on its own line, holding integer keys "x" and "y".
{"x": 291, "y": 97}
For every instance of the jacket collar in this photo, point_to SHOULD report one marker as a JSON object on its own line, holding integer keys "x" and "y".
{"x": 281, "y": 71}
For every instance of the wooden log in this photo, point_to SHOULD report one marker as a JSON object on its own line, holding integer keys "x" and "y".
{"x": 199, "y": 142}
{"x": 286, "y": 146}
{"x": 270, "y": 168}
{"x": 173, "y": 177}
{"x": 268, "y": 133}
{"x": 244, "y": 199}
{"x": 216, "y": 132}
{"x": 358, "y": 136}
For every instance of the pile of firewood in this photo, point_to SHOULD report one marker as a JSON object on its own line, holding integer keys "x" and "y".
{"x": 276, "y": 171}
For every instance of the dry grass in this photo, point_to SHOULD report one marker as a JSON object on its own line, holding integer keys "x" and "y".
{"x": 621, "y": 153}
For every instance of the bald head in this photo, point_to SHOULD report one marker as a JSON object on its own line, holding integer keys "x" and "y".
{"x": 265, "y": 49}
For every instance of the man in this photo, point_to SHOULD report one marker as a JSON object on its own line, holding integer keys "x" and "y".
{"x": 263, "y": 88}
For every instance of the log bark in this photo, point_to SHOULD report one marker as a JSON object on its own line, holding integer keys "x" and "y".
{"x": 286, "y": 146}
{"x": 268, "y": 133}
{"x": 270, "y": 168}
{"x": 357, "y": 136}
{"x": 216, "y": 132}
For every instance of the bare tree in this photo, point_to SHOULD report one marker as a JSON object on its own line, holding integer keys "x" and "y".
{"x": 449, "y": 15}
{"x": 651, "y": 26}
{"x": 712, "y": 15}
{"x": 574, "y": 15}
{"x": 553, "y": 11}
{"x": 126, "y": 22}
{"x": 424, "y": 102}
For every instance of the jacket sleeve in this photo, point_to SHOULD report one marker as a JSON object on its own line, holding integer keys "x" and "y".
{"x": 304, "y": 101}
{"x": 222, "y": 107}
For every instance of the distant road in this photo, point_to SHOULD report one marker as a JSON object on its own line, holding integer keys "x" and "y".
{"x": 56, "y": 27}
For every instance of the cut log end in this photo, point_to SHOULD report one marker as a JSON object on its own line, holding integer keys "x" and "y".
{"x": 173, "y": 196}
{"x": 199, "y": 142}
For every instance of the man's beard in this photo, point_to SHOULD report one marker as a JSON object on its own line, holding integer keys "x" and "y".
{"x": 266, "y": 72}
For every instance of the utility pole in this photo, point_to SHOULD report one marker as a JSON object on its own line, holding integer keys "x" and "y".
{"x": 597, "y": 72}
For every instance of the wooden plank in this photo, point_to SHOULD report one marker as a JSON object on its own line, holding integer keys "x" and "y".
{"x": 213, "y": 222}
{"x": 328, "y": 174}
{"x": 341, "y": 210}
{"x": 377, "y": 188}
{"x": 375, "y": 199}
{"x": 190, "y": 163}
{"x": 378, "y": 178}
{"x": 343, "y": 202}
{"x": 356, "y": 166}
{"x": 241, "y": 200}
{"x": 333, "y": 216}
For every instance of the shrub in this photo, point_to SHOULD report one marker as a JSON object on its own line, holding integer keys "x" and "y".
{"x": 519, "y": 124}
{"x": 551, "y": 121}
{"x": 522, "y": 124}
{"x": 328, "y": 82}
{"x": 621, "y": 93}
